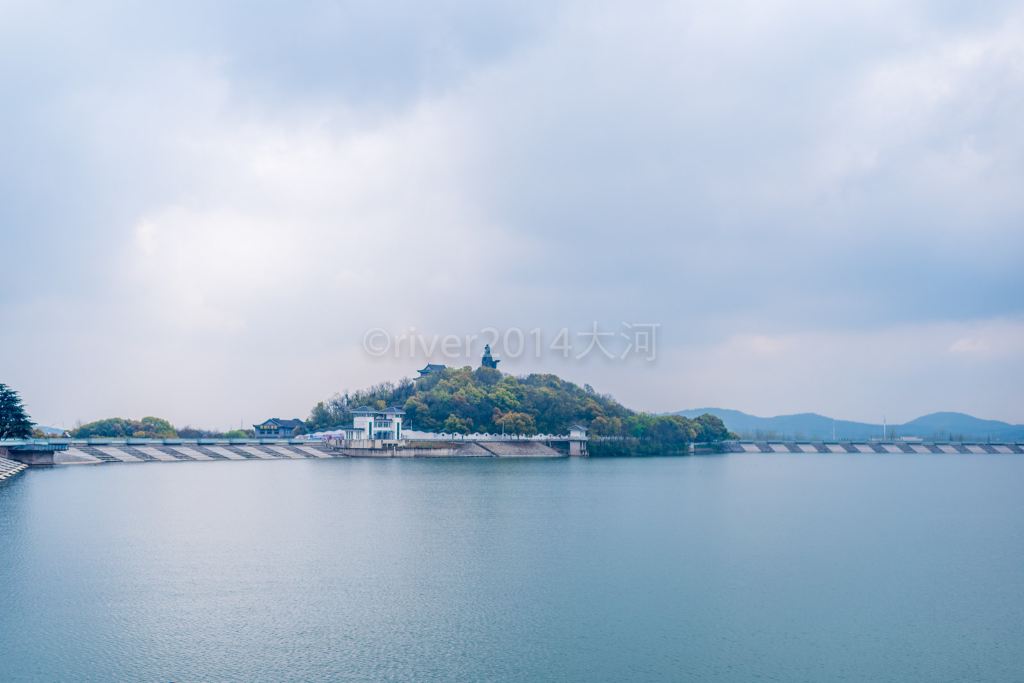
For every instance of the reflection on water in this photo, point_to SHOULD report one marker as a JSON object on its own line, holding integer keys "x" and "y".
{"x": 719, "y": 568}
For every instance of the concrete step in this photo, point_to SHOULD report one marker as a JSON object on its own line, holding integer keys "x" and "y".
{"x": 516, "y": 449}
{"x": 210, "y": 453}
{"x": 98, "y": 454}
{"x": 177, "y": 455}
{"x": 141, "y": 455}
{"x": 9, "y": 468}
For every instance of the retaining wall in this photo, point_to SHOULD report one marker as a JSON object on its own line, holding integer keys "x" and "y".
{"x": 9, "y": 468}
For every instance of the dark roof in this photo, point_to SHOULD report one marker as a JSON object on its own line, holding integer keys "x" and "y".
{"x": 394, "y": 410}
{"x": 432, "y": 367}
{"x": 288, "y": 424}
{"x": 364, "y": 409}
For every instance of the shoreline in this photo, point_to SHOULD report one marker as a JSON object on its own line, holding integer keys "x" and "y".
{"x": 15, "y": 457}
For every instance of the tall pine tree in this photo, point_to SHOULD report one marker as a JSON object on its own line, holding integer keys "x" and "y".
{"x": 14, "y": 422}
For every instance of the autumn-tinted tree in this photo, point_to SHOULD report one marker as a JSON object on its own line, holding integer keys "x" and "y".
{"x": 516, "y": 423}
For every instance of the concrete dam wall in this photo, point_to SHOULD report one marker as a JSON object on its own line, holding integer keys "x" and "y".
{"x": 98, "y": 451}
{"x": 84, "y": 453}
{"x": 9, "y": 468}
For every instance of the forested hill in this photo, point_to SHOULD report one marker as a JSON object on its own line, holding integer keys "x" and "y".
{"x": 464, "y": 400}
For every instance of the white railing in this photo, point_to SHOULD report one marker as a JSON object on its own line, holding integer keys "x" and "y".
{"x": 413, "y": 435}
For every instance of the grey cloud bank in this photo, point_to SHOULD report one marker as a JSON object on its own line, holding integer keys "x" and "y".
{"x": 200, "y": 209}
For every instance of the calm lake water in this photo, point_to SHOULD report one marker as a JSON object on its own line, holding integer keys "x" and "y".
{"x": 731, "y": 568}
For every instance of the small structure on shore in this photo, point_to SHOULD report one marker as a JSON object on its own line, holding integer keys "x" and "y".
{"x": 30, "y": 451}
{"x": 578, "y": 441}
{"x": 276, "y": 428}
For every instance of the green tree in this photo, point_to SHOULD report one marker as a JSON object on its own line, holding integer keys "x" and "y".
{"x": 321, "y": 417}
{"x": 417, "y": 412}
{"x": 14, "y": 422}
{"x": 111, "y": 426}
{"x": 118, "y": 427}
{"x": 462, "y": 400}
{"x": 157, "y": 427}
{"x": 456, "y": 425}
{"x": 478, "y": 398}
{"x": 710, "y": 429}
{"x": 516, "y": 423}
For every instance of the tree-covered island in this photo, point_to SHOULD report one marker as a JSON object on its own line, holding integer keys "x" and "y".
{"x": 465, "y": 400}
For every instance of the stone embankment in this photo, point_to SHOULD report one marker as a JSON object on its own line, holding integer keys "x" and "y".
{"x": 456, "y": 449}
{"x": 9, "y": 468}
{"x": 883, "y": 447}
{"x": 100, "y": 451}
{"x": 519, "y": 449}
{"x": 94, "y": 453}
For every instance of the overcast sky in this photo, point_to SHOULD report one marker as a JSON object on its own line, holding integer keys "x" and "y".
{"x": 203, "y": 210}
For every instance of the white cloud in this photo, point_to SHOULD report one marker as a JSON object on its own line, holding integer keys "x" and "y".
{"x": 806, "y": 196}
{"x": 902, "y": 371}
{"x": 969, "y": 345}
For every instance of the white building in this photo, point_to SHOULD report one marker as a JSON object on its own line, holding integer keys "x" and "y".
{"x": 578, "y": 441}
{"x": 377, "y": 424}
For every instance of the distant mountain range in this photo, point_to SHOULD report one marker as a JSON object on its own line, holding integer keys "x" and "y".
{"x": 50, "y": 431}
{"x": 952, "y": 426}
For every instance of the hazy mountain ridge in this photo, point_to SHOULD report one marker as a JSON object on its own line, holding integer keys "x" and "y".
{"x": 942, "y": 425}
